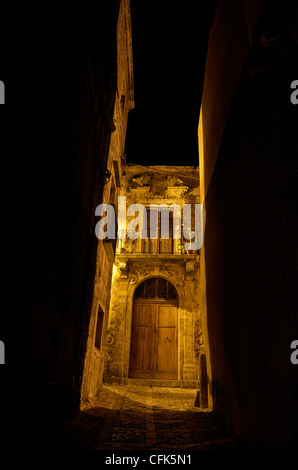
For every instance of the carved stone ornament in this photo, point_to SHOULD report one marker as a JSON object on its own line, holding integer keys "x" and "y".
{"x": 189, "y": 269}
{"x": 123, "y": 268}
{"x": 133, "y": 278}
{"x": 139, "y": 271}
{"x": 199, "y": 342}
{"x": 110, "y": 339}
{"x": 178, "y": 279}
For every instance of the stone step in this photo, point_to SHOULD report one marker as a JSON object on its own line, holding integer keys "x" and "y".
{"x": 156, "y": 382}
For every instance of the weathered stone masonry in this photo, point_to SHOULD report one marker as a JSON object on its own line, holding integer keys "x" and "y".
{"x": 155, "y": 185}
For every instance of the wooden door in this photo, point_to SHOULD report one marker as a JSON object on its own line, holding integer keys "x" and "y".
{"x": 154, "y": 343}
{"x": 166, "y": 355}
{"x": 142, "y": 343}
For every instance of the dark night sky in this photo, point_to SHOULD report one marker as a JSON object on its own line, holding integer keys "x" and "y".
{"x": 169, "y": 49}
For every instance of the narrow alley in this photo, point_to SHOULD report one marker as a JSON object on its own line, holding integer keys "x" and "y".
{"x": 149, "y": 228}
{"x": 131, "y": 417}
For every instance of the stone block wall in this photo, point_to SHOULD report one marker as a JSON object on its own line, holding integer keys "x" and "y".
{"x": 155, "y": 185}
{"x": 123, "y": 103}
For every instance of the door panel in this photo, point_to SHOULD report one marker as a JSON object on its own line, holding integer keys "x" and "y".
{"x": 144, "y": 315}
{"x": 142, "y": 343}
{"x": 154, "y": 349}
{"x": 167, "y": 349}
{"x": 167, "y": 316}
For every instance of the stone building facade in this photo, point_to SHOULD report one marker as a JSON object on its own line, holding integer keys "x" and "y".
{"x": 124, "y": 102}
{"x": 154, "y": 327}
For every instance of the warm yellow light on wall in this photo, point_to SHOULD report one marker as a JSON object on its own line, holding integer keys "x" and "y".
{"x": 201, "y": 157}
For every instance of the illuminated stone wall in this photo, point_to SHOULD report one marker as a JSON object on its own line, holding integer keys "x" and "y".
{"x": 124, "y": 101}
{"x": 156, "y": 185}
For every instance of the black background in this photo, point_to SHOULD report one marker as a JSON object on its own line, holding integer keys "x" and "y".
{"x": 169, "y": 51}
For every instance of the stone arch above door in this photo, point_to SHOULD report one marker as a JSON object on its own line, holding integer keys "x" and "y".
{"x": 156, "y": 288}
{"x": 120, "y": 326}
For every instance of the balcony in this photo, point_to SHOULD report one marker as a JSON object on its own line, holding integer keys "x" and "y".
{"x": 153, "y": 246}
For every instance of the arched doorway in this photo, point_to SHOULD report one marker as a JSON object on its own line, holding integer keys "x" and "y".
{"x": 154, "y": 340}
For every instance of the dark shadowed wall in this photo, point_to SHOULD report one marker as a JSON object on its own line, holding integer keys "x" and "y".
{"x": 61, "y": 91}
{"x": 248, "y": 158}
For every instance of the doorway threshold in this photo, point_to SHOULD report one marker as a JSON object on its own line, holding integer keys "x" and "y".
{"x": 155, "y": 382}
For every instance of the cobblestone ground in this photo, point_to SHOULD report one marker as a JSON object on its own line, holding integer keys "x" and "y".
{"x": 129, "y": 417}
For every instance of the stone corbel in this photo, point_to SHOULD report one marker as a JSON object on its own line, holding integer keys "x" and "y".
{"x": 189, "y": 269}
{"x": 123, "y": 268}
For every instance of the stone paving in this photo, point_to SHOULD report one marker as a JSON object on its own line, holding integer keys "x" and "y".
{"x": 130, "y": 417}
